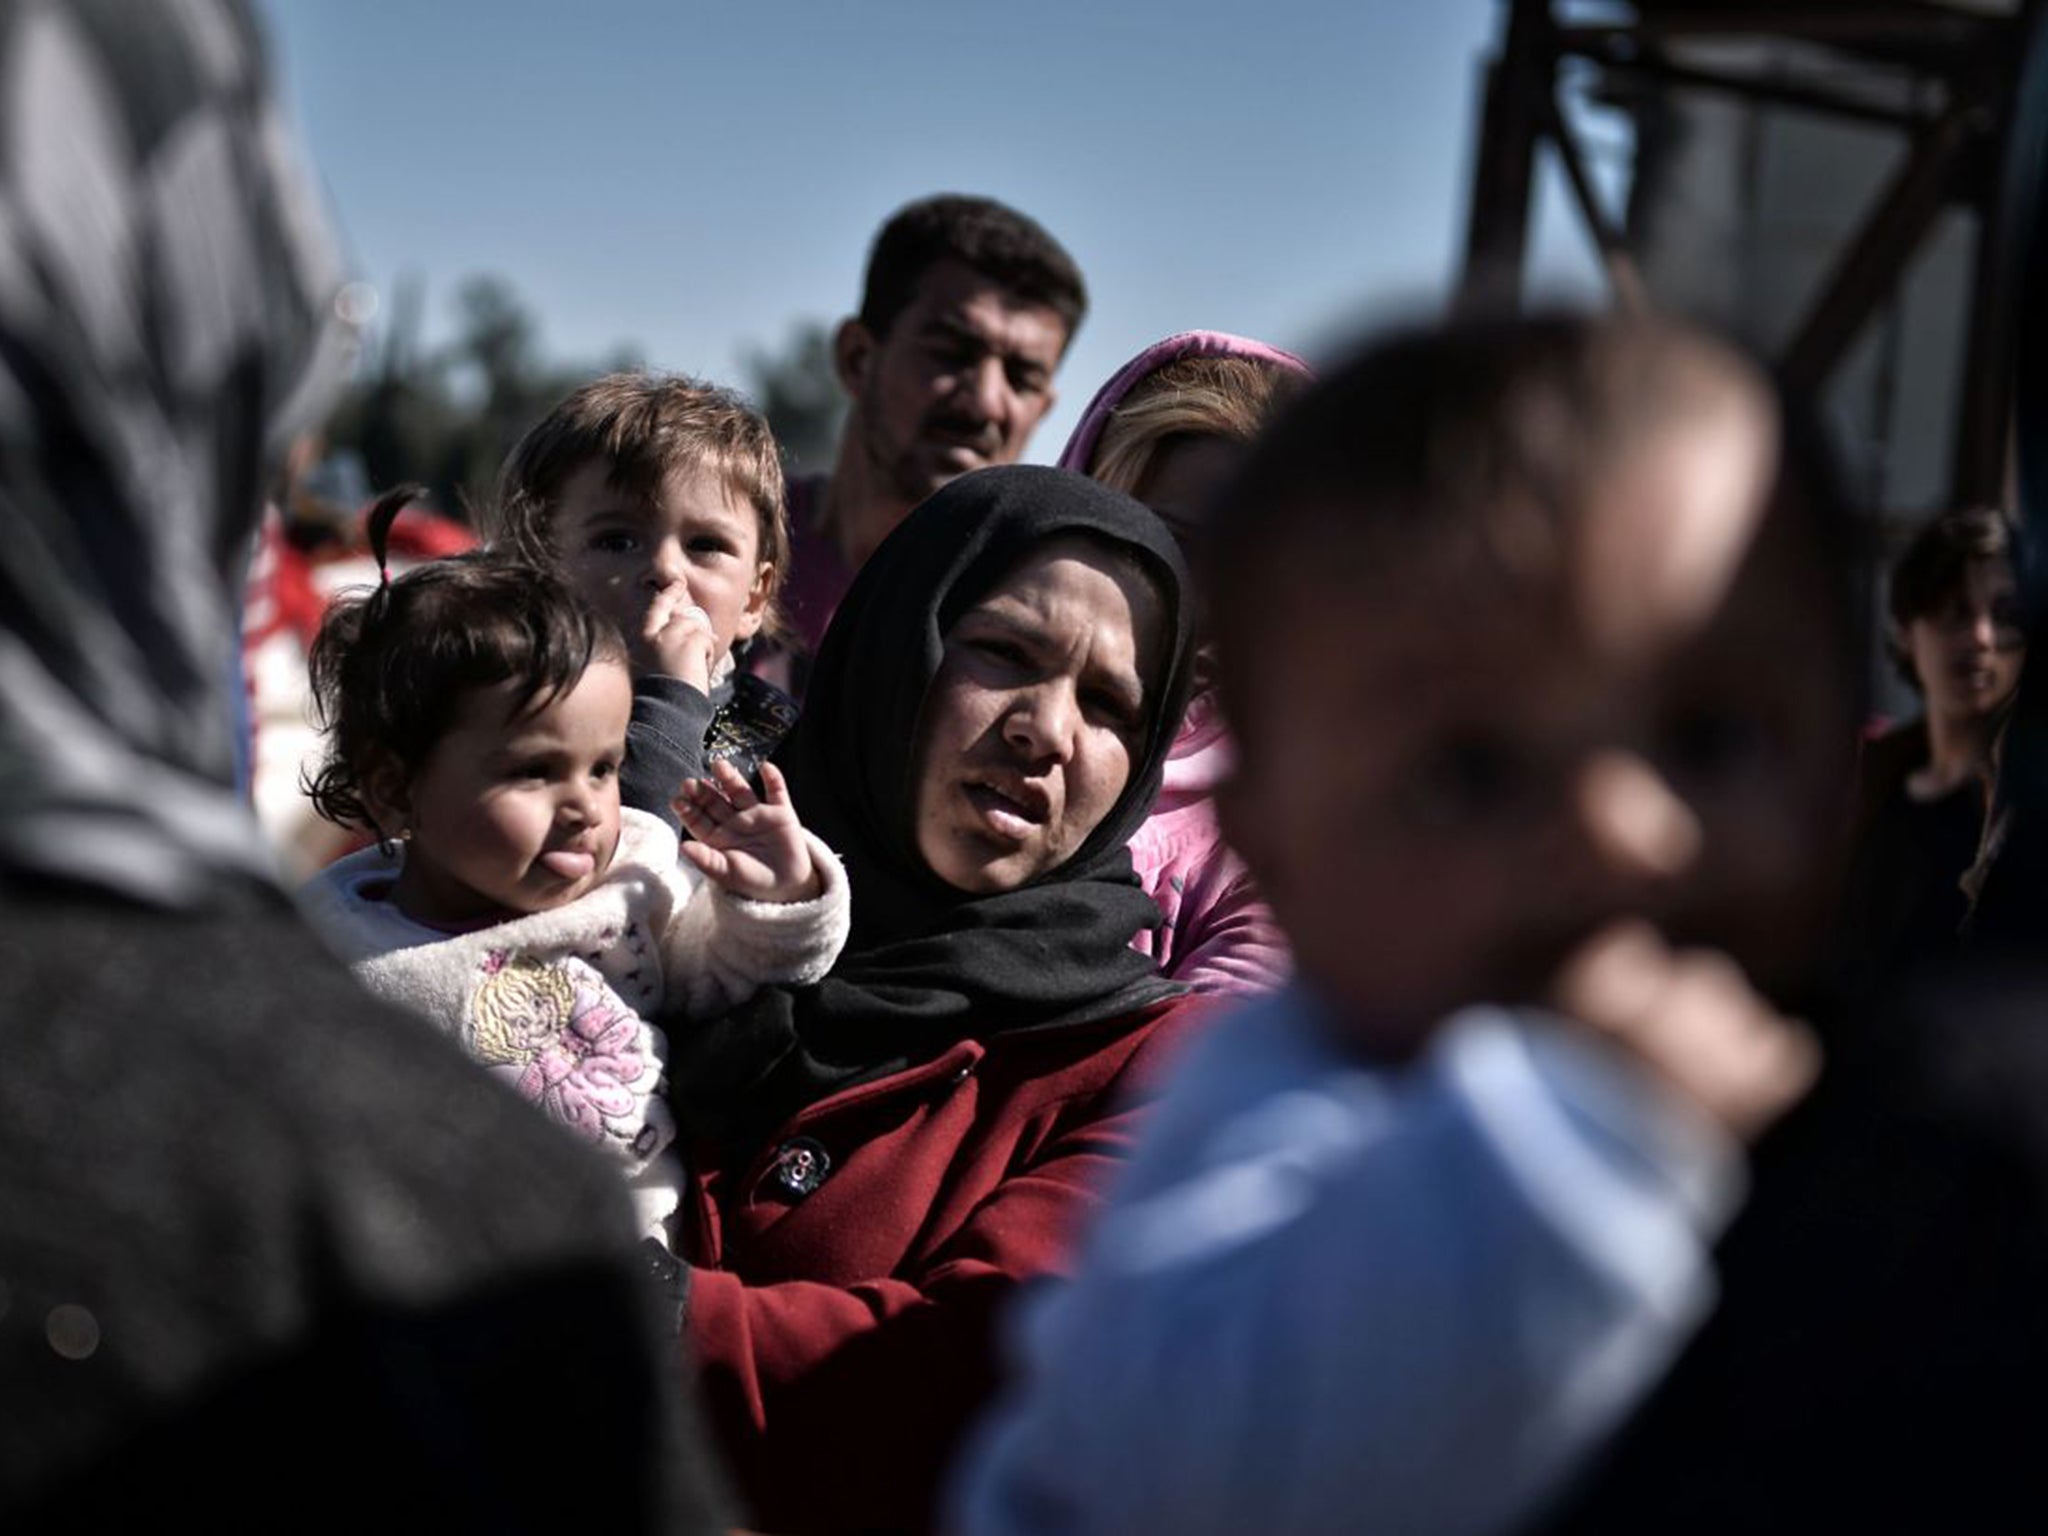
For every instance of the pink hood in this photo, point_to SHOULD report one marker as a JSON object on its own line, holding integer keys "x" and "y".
{"x": 1201, "y": 758}
{"x": 1081, "y": 446}
{"x": 1201, "y": 752}
{"x": 1215, "y": 933}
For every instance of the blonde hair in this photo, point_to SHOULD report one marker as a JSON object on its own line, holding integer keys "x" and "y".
{"x": 643, "y": 427}
{"x": 1226, "y": 397}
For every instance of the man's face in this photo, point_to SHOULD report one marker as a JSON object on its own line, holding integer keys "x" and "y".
{"x": 959, "y": 382}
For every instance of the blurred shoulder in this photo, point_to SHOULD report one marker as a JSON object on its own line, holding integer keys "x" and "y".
{"x": 232, "y": 1062}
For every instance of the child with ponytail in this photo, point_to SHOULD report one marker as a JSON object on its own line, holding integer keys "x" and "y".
{"x": 477, "y": 712}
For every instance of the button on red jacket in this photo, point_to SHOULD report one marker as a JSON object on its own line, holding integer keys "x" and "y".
{"x": 845, "y": 1337}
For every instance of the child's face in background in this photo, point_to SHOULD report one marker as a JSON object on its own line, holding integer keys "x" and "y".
{"x": 1452, "y": 779}
{"x": 514, "y": 815}
{"x": 1967, "y": 652}
{"x": 698, "y": 533}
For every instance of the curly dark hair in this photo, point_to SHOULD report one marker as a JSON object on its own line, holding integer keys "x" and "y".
{"x": 995, "y": 240}
{"x": 391, "y": 663}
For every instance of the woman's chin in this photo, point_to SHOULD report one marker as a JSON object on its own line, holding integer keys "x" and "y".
{"x": 978, "y": 864}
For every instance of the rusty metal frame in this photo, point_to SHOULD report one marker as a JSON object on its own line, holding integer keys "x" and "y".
{"x": 1953, "y": 157}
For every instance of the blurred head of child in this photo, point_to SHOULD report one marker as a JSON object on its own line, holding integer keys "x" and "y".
{"x": 660, "y": 500}
{"x": 1531, "y": 628}
{"x": 476, "y": 711}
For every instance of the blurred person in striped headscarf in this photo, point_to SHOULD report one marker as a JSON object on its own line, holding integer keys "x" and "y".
{"x": 267, "y": 1249}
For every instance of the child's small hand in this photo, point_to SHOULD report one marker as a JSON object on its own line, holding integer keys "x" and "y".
{"x": 675, "y": 639}
{"x": 753, "y": 847}
{"x": 1692, "y": 1020}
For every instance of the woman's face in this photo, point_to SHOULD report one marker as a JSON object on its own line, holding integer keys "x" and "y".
{"x": 1041, "y": 703}
{"x": 1182, "y": 477}
{"x": 1967, "y": 652}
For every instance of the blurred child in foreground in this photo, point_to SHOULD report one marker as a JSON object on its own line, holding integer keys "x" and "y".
{"x": 1537, "y": 649}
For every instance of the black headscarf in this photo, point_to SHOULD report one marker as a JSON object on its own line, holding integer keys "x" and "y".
{"x": 928, "y": 964}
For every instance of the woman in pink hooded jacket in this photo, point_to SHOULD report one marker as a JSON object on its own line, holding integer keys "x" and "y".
{"x": 1166, "y": 428}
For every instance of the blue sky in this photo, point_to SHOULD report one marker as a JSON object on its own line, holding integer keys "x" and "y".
{"x": 691, "y": 179}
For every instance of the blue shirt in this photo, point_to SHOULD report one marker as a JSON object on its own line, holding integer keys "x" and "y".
{"x": 1329, "y": 1296}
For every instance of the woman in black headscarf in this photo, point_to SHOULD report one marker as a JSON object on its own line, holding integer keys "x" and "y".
{"x": 884, "y": 1156}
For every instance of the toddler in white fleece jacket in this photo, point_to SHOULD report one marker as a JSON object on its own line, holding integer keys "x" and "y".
{"x": 478, "y": 715}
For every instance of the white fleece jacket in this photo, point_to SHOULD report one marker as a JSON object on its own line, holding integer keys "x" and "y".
{"x": 557, "y": 1002}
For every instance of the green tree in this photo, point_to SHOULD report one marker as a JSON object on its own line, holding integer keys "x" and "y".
{"x": 798, "y": 391}
{"x": 447, "y": 418}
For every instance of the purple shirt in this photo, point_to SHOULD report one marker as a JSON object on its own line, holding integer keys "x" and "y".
{"x": 816, "y": 582}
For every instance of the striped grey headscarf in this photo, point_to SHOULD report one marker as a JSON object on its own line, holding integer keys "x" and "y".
{"x": 167, "y": 320}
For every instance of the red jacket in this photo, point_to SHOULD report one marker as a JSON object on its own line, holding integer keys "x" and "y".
{"x": 845, "y": 1336}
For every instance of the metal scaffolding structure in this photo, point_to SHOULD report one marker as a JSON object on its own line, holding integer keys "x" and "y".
{"x": 1945, "y": 78}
